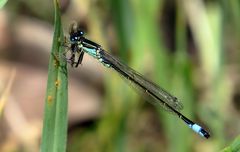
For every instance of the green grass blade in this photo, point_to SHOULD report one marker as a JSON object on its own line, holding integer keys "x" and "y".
{"x": 234, "y": 147}
{"x": 54, "y": 134}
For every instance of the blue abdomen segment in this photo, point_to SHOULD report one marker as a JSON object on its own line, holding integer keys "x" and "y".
{"x": 198, "y": 129}
{"x": 195, "y": 127}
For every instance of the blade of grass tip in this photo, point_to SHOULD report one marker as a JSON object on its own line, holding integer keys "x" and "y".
{"x": 234, "y": 147}
{"x": 54, "y": 133}
{"x": 2, "y": 3}
{"x": 5, "y": 95}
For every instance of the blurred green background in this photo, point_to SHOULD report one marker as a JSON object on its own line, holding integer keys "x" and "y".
{"x": 189, "y": 47}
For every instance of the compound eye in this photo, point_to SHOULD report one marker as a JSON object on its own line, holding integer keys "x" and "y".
{"x": 72, "y": 38}
{"x": 81, "y": 33}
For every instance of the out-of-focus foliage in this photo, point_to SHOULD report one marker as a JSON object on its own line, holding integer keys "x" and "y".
{"x": 2, "y": 3}
{"x": 5, "y": 94}
{"x": 234, "y": 146}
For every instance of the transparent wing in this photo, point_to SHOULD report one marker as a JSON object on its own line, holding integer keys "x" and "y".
{"x": 156, "y": 94}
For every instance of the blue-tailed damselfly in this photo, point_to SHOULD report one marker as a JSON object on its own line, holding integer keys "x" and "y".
{"x": 78, "y": 45}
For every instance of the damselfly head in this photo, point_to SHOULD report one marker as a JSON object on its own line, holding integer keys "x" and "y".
{"x": 76, "y": 36}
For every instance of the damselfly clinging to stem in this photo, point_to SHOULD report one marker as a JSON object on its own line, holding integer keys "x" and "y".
{"x": 78, "y": 45}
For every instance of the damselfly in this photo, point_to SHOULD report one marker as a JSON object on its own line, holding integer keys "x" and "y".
{"x": 78, "y": 45}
